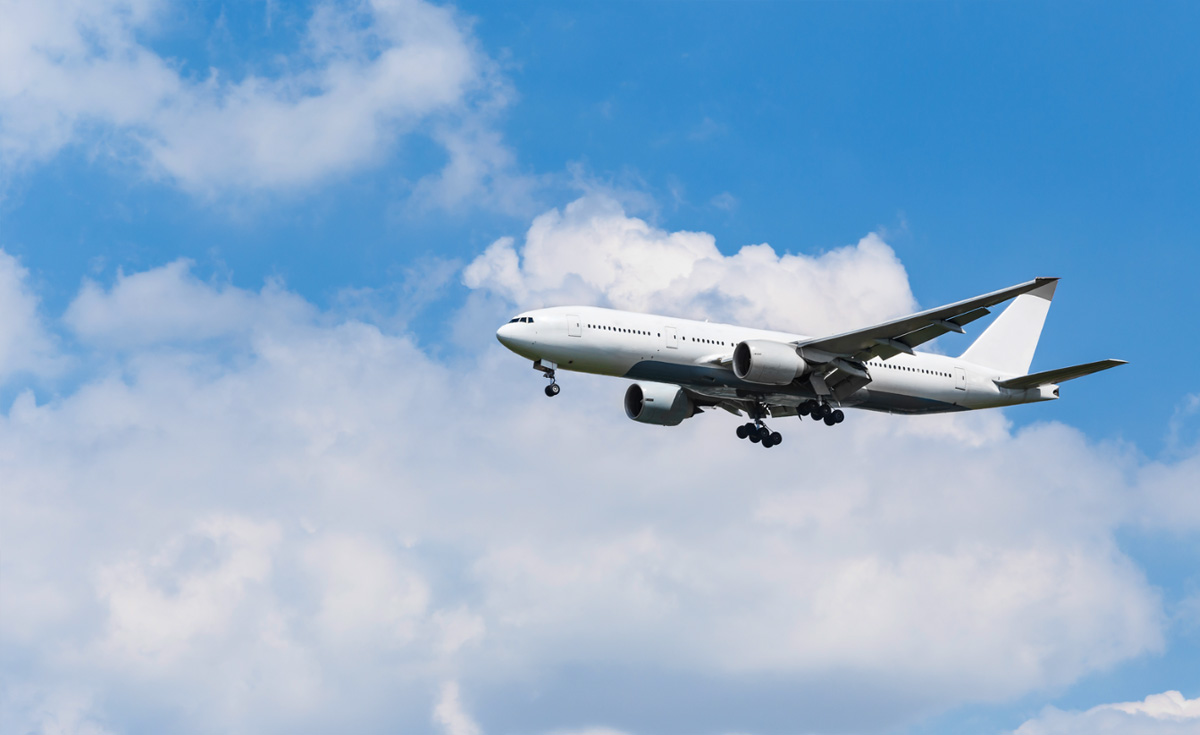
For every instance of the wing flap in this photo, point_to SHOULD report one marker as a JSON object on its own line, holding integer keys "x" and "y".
{"x": 1058, "y": 376}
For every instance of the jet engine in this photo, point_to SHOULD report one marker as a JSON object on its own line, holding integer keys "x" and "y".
{"x": 658, "y": 403}
{"x": 768, "y": 363}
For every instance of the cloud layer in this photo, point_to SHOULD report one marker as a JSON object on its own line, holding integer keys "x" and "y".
{"x": 253, "y": 515}
{"x": 1169, "y": 713}
{"x": 365, "y": 75}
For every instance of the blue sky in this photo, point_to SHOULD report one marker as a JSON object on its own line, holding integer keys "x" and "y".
{"x": 329, "y": 170}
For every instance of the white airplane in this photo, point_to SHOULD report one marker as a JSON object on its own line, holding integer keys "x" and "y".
{"x": 683, "y": 366}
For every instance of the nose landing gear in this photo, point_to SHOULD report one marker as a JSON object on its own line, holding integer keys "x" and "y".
{"x": 547, "y": 369}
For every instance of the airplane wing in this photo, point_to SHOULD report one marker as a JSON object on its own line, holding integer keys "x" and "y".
{"x": 843, "y": 355}
{"x": 901, "y": 335}
{"x": 778, "y": 404}
{"x": 1058, "y": 376}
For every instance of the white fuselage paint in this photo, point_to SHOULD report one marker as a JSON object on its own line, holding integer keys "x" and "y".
{"x": 689, "y": 353}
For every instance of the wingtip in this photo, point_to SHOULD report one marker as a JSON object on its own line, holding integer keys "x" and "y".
{"x": 1044, "y": 287}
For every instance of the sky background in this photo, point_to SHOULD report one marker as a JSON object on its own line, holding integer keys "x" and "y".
{"x": 264, "y": 467}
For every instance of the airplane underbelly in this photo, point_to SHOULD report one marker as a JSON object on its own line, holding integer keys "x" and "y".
{"x": 591, "y": 359}
{"x": 908, "y": 397}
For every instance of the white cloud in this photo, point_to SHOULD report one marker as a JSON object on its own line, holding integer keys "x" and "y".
{"x": 367, "y": 596}
{"x": 184, "y": 593}
{"x": 332, "y": 523}
{"x": 169, "y": 304}
{"x": 450, "y": 715}
{"x": 592, "y": 252}
{"x": 1169, "y": 713}
{"x": 366, "y": 75}
{"x": 1181, "y": 421}
{"x": 1162, "y": 505}
{"x": 25, "y": 345}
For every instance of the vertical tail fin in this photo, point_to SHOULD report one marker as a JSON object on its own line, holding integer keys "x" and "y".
{"x": 1007, "y": 345}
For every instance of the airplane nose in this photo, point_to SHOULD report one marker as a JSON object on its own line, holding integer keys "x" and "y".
{"x": 506, "y": 336}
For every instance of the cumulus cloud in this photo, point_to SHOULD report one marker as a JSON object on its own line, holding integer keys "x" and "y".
{"x": 326, "y": 529}
{"x": 1169, "y": 713}
{"x": 593, "y": 252}
{"x": 207, "y": 570}
{"x": 169, "y": 304}
{"x": 366, "y": 74}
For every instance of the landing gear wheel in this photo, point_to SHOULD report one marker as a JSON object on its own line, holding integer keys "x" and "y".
{"x": 818, "y": 412}
{"x": 742, "y": 432}
{"x": 829, "y": 420}
{"x": 838, "y": 416}
{"x": 552, "y": 389}
{"x": 768, "y": 443}
{"x": 804, "y": 409}
{"x": 754, "y": 437}
{"x": 776, "y": 438}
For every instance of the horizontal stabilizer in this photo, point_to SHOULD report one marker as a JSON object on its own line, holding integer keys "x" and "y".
{"x": 1058, "y": 376}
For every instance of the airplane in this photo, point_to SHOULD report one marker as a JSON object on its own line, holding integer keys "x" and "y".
{"x": 682, "y": 366}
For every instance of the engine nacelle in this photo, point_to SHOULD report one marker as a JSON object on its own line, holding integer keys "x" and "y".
{"x": 658, "y": 403}
{"x": 767, "y": 363}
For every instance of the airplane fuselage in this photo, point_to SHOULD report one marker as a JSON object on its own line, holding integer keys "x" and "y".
{"x": 696, "y": 355}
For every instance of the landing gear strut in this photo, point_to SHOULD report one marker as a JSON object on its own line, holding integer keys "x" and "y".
{"x": 547, "y": 369}
{"x": 757, "y": 432}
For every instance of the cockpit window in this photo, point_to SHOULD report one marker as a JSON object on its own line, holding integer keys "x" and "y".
{"x": 514, "y": 320}
{"x": 529, "y": 319}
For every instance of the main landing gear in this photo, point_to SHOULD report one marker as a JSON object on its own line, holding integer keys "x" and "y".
{"x": 758, "y": 433}
{"x": 821, "y": 412}
{"x": 547, "y": 369}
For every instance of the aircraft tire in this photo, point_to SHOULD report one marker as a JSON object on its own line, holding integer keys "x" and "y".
{"x": 552, "y": 390}
{"x": 776, "y": 438}
{"x": 741, "y": 432}
{"x": 838, "y": 416}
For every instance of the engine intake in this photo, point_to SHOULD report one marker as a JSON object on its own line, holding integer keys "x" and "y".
{"x": 658, "y": 403}
{"x": 767, "y": 363}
